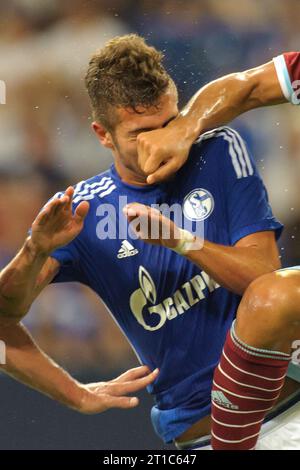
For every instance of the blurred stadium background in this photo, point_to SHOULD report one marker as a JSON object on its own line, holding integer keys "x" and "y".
{"x": 46, "y": 144}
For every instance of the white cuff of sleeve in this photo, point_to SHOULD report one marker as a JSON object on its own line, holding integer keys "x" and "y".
{"x": 284, "y": 79}
{"x": 186, "y": 242}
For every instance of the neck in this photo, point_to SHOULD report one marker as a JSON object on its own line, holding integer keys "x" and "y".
{"x": 130, "y": 176}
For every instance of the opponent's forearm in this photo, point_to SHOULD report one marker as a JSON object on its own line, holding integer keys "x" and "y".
{"x": 216, "y": 104}
{"x": 232, "y": 267}
{"x": 18, "y": 281}
{"x": 224, "y": 99}
{"x": 31, "y": 366}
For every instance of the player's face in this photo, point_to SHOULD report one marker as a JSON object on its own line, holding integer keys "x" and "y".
{"x": 131, "y": 124}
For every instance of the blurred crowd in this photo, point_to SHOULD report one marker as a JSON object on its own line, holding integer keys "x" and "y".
{"x": 46, "y": 142}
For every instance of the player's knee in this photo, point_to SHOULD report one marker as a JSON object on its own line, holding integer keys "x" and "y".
{"x": 272, "y": 299}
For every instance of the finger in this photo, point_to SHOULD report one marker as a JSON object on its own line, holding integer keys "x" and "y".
{"x": 143, "y": 220}
{"x": 120, "y": 402}
{"x": 139, "y": 217}
{"x": 42, "y": 217}
{"x": 65, "y": 202}
{"x": 69, "y": 193}
{"x": 61, "y": 206}
{"x": 118, "y": 389}
{"x": 163, "y": 172}
{"x": 48, "y": 211}
{"x": 135, "y": 209}
{"x": 53, "y": 205}
{"x": 81, "y": 211}
{"x": 133, "y": 374}
{"x": 155, "y": 160}
{"x": 51, "y": 208}
{"x": 131, "y": 213}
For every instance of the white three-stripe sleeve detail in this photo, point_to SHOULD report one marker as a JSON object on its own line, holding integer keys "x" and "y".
{"x": 103, "y": 184}
{"x": 92, "y": 192}
{"x": 244, "y": 152}
{"x": 233, "y": 154}
{"x": 109, "y": 190}
{"x": 238, "y": 151}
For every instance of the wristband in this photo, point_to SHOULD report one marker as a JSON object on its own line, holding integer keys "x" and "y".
{"x": 186, "y": 242}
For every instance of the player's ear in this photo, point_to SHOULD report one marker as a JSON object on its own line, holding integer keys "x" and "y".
{"x": 103, "y": 135}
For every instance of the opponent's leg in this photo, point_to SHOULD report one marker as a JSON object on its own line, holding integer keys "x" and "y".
{"x": 254, "y": 362}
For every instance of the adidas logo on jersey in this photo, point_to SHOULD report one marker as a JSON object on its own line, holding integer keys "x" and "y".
{"x": 127, "y": 250}
{"x": 219, "y": 397}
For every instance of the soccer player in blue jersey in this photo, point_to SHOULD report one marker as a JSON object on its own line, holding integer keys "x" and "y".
{"x": 175, "y": 304}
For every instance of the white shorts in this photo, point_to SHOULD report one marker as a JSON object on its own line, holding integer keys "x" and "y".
{"x": 280, "y": 432}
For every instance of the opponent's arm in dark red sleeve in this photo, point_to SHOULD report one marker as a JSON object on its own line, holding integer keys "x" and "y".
{"x": 163, "y": 151}
{"x": 288, "y": 72}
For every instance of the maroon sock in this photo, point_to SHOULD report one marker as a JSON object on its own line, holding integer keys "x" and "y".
{"x": 247, "y": 383}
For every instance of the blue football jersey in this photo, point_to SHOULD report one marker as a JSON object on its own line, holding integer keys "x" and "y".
{"x": 173, "y": 314}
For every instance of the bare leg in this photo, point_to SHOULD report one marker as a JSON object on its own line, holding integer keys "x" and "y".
{"x": 269, "y": 314}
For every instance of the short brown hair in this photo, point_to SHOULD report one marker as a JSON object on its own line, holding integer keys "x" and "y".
{"x": 126, "y": 72}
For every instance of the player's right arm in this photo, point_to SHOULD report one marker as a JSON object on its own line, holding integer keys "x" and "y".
{"x": 20, "y": 282}
{"x": 33, "y": 268}
{"x": 28, "y": 364}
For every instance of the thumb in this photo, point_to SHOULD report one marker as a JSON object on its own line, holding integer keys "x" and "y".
{"x": 163, "y": 172}
{"x": 155, "y": 160}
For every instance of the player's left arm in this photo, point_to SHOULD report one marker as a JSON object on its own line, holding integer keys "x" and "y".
{"x": 162, "y": 152}
{"x": 233, "y": 267}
